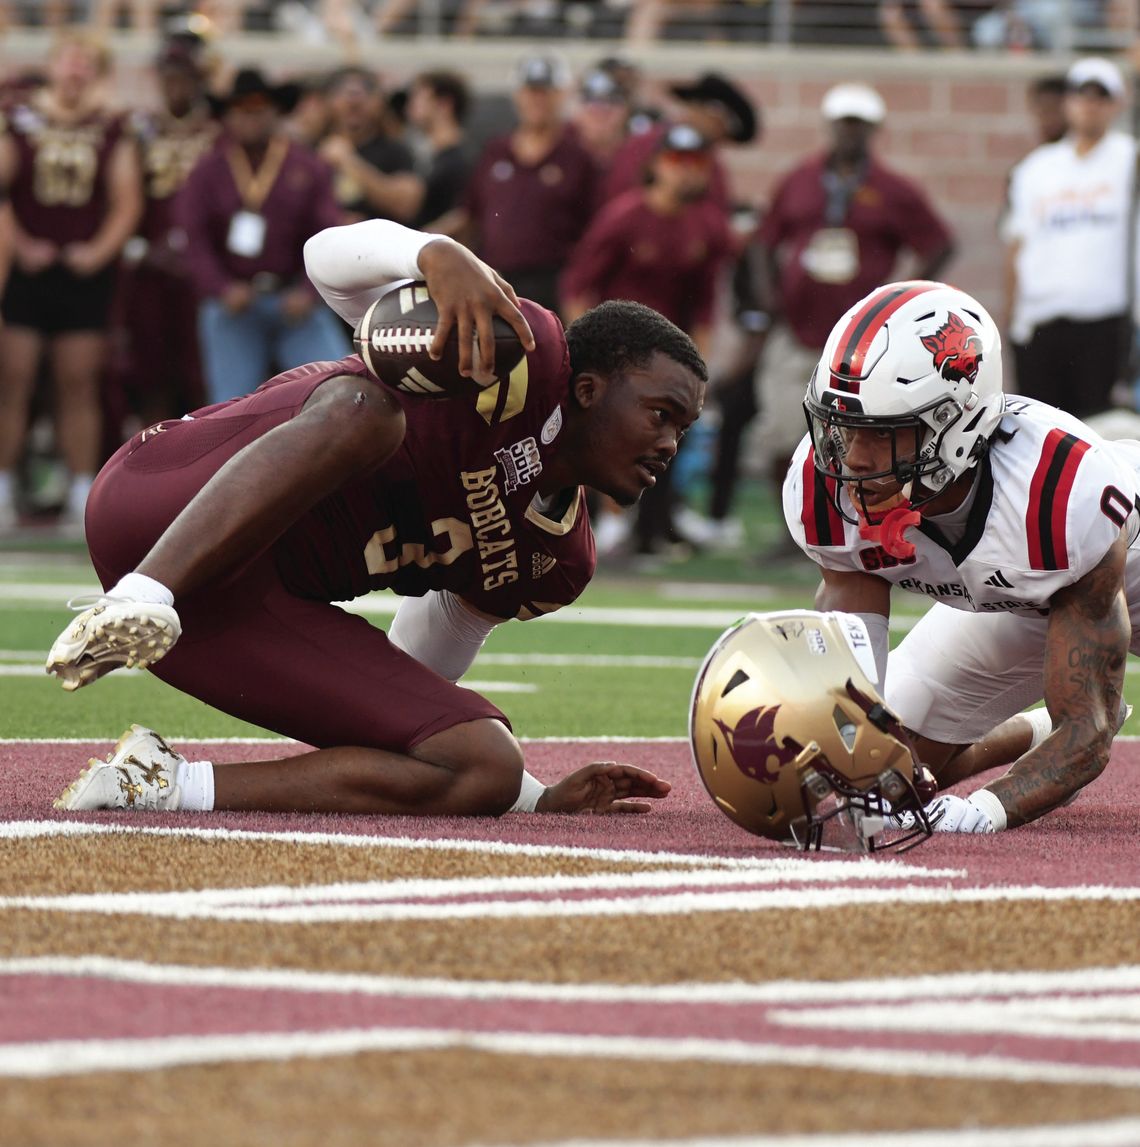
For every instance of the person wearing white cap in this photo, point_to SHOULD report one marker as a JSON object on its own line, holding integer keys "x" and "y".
{"x": 1067, "y": 254}
{"x": 836, "y": 227}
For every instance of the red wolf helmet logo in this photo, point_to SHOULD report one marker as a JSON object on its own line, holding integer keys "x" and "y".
{"x": 754, "y": 747}
{"x": 957, "y": 350}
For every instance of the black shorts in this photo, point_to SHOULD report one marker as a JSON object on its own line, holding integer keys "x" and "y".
{"x": 56, "y": 301}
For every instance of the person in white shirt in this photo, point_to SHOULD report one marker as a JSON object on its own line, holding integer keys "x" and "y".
{"x": 1016, "y": 520}
{"x": 1068, "y": 253}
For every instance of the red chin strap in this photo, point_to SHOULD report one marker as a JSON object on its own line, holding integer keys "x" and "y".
{"x": 888, "y": 531}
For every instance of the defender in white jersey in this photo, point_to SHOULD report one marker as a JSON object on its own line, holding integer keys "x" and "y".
{"x": 1014, "y": 518}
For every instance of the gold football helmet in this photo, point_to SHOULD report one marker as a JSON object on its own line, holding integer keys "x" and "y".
{"x": 793, "y": 742}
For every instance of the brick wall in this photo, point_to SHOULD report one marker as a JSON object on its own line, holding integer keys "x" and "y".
{"x": 956, "y": 122}
{"x": 952, "y": 125}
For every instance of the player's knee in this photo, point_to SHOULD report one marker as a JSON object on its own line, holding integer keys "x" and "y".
{"x": 496, "y": 776}
{"x": 486, "y": 764}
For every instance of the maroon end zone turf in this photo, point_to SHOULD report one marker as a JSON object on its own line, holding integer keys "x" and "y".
{"x": 1091, "y": 842}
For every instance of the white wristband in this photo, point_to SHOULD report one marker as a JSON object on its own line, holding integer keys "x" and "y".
{"x": 1040, "y": 725}
{"x": 988, "y": 803}
{"x": 139, "y": 587}
{"x": 532, "y": 789}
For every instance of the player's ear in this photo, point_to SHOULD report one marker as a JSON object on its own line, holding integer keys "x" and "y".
{"x": 588, "y": 389}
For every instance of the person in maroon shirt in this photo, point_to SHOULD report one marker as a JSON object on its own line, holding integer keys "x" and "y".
{"x": 257, "y": 514}
{"x": 531, "y": 192}
{"x": 664, "y": 245}
{"x": 246, "y": 209}
{"x": 75, "y": 190}
{"x": 835, "y": 229}
{"x": 717, "y": 108}
{"x": 161, "y": 373}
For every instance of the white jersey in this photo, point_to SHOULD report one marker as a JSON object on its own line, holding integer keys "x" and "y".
{"x": 1069, "y": 215}
{"x": 1051, "y": 498}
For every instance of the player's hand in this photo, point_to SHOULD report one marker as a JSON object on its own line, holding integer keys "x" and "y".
{"x": 468, "y": 295}
{"x": 949, "y": 813}
{"x": 604, "y": 786}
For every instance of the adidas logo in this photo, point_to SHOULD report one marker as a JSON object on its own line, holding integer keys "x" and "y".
{"x": 998, "y": 580}
{"x": 540, "y": 565}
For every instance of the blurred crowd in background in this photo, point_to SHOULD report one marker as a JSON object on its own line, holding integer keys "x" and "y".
{"x": 153, "y": 256}
{"x": 1015, "y": 25}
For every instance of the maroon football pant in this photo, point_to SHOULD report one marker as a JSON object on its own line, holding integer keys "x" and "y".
{"x": 303, "y": 668}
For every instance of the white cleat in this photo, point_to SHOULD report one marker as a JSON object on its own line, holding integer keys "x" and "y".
{"x": 137, "y": 774}
{"x": 112, "y": 633}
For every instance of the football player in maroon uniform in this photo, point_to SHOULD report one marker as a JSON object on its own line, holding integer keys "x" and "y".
{"x": 76, "y": 195}
{"x": 256, "y": 515}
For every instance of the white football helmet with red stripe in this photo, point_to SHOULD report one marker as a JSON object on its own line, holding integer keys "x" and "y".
{"x": 920, "y": 358}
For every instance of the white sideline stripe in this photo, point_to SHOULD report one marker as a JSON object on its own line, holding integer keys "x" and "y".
{"x": 1109, "y": 1133}
{"x": 185, "y": 906}
{"x": 312, "y": 901}
{"x": 615, "y": 739}
{"x": 791, "y": 862}
{"x": 36, "y": 669}
{"x": 33, "y": 658}
{"x": 967, "y": 985}
{"x": 384, "y": 605}
{"x": 69, "y": 1057}
{"x": 612, "y": 740}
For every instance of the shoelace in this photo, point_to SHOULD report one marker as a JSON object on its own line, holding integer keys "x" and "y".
{"x": 82, "y": 601}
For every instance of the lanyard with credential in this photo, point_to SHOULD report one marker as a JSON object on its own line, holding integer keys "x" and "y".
{"x": 254, "y": 186}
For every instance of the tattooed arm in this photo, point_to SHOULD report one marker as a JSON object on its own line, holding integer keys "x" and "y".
{"x": 1086, "y": 647}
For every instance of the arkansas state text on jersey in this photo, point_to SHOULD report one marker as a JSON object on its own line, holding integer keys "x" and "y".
{"x": 1050, "y": 498}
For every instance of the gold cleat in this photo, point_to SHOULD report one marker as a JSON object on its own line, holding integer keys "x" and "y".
{"x": 138, "y": 774}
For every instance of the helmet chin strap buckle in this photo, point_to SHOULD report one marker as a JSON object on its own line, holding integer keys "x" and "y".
{"x": 888, "y": 532}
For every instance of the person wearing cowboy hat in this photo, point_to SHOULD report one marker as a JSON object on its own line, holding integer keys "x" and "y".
{"x": 247, "y": 208}
{"x": 722, "y": 112}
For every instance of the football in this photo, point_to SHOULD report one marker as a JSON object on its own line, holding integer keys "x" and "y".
{"x": 393, "y": 340}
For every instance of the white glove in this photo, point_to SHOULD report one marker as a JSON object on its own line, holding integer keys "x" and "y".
{"x": 949, "y": 813}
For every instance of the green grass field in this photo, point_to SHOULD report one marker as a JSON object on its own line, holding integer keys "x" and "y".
{"x": 623, "y": 668}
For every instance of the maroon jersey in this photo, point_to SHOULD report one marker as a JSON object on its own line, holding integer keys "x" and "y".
{"x": 59, "y": 191}
{"x": 667, "y": 262}
{"x": 299, "y": 204}
{"x": 168, "y": 150}
{"x": 886, "y": 215}
{"x": 530, "y": 215}
{"x": 627, "y": 169}
{"x": 454, "y": 508}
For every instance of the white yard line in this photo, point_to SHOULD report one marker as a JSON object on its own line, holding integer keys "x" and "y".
{"x": 968, "y": 986}
{"x": 67, "y": 1057}
{"x": 1108, "y": 1133}
{"x": 196, "y": 906}
{"x": 384, "y": 605}
{"x": 789, "y": 862}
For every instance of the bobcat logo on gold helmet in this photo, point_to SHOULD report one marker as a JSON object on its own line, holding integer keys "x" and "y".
{"x": 793, "y": 742}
